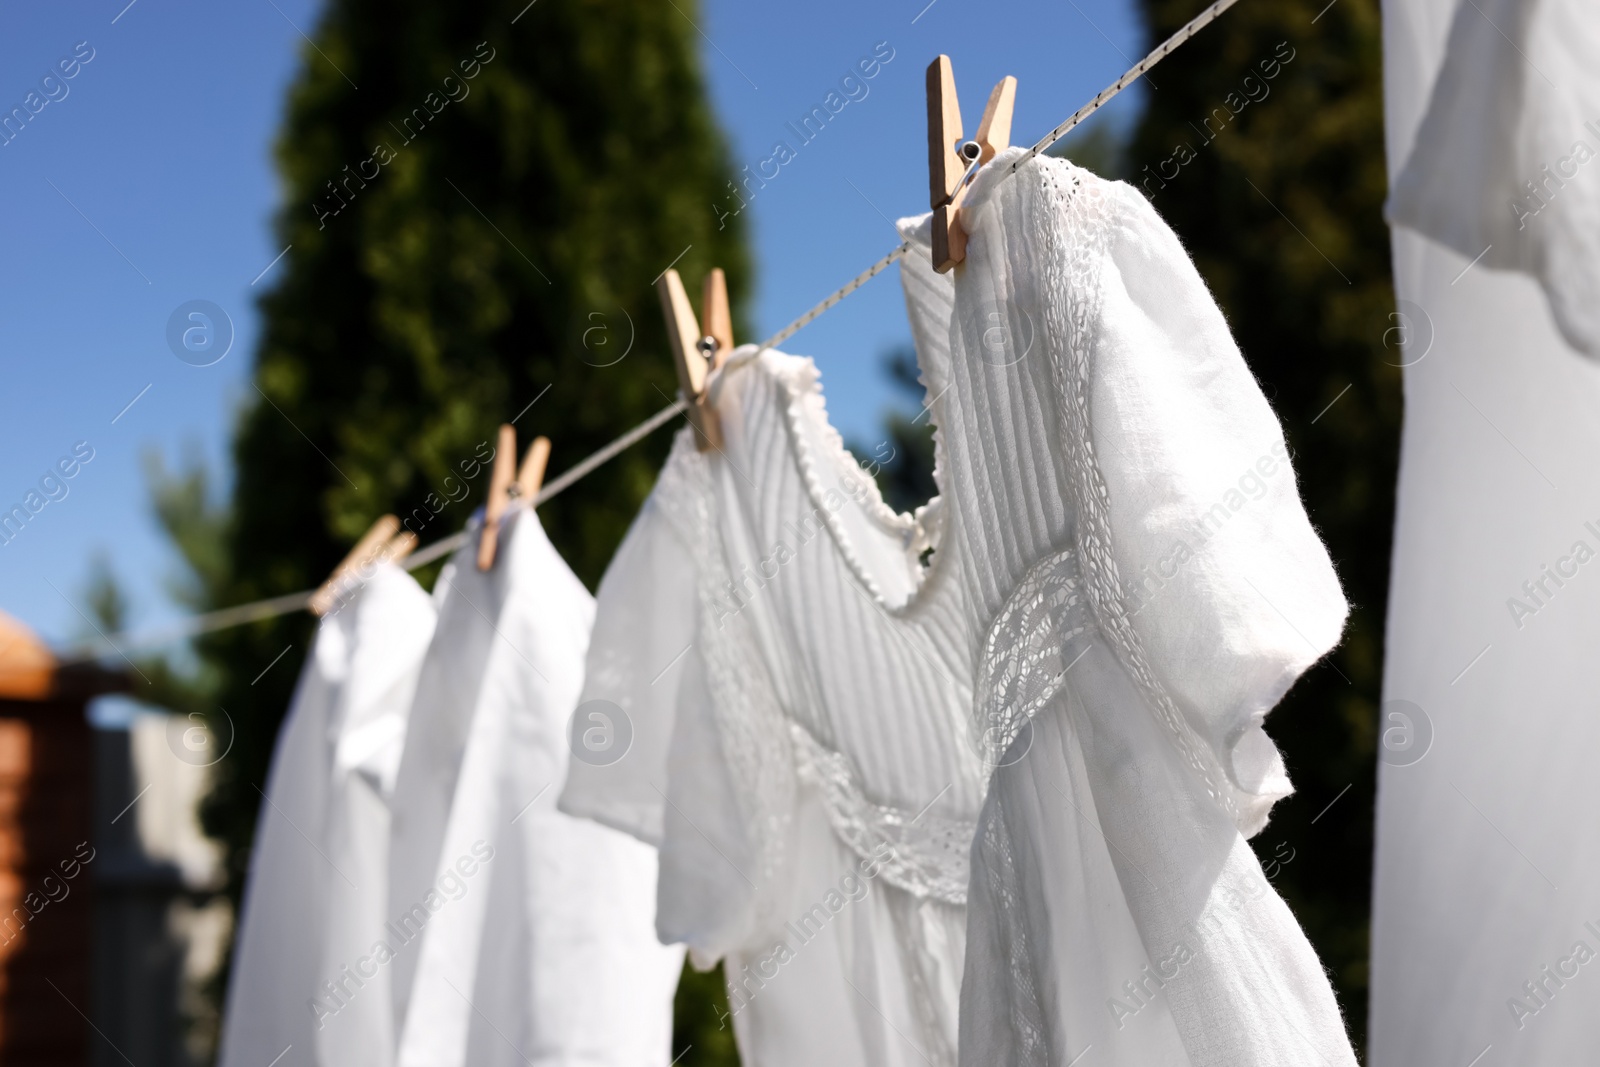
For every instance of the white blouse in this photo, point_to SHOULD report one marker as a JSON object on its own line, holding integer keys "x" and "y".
{"x": 314, "y": 900}
{"x": 528, "y": 935}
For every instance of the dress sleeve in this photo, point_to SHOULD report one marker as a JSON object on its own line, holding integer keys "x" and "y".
{"x": 643, "y": 632}
{"x": 704, "y": 898}
{"x": 1229, "y": 589}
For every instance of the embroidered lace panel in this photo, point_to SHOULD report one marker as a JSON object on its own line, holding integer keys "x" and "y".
{"x": 1029, "y": 650}
{"x": 927, "y": 852}
{"x": 1024, "y": 1005}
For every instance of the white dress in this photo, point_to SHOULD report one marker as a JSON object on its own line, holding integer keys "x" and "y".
{"x": 314, "y": 901}
{"x": 1487, "y": 864}
{"x": 1151, "y": 586}
{"x": 796, "y": 687}
{"x": 530, "y": 935}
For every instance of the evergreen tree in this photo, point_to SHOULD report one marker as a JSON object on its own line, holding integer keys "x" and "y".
{"x": 1262, "y": 146}
{"x": 902, "y": 460}
{"x": 477, "y": 199}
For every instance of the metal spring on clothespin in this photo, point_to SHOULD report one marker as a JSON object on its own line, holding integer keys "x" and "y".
{"x": 688, "y": 339}
{"x": 972, "y": 152}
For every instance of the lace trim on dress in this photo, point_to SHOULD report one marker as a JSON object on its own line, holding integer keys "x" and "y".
{"x": 1076, "y": 220}
{"x": 804, "y": 403}
{"x": 1029, "y": 650}
{"x": 921, "y": 854}
{"x": 926, "y": 853}
{"x": 1023, "y": 1003}
{"x": 803, "y": 382}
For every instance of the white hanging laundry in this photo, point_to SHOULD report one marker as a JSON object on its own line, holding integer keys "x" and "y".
{"x": 1151, "y": 586}
{"x": 367, "y": 738}
{"x": 530, "y": 933}
{"x": 795, "y": 683}
{"x": 1487, "y": 866}
{"x": 1505, "y": 164}
{"x": 314, "y": 900}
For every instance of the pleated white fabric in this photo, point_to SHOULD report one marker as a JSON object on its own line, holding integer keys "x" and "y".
{"x": 530, "y": 933}
{"x": 314, "y": 900}
{"x": 1503, "y": 167}
{"x": 1487, "y": 870}
{"x": 1122, "y": 498}
{"x": 797, "y": 684}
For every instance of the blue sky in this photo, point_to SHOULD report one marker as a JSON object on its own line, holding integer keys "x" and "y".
{"x": 147, "y": 183}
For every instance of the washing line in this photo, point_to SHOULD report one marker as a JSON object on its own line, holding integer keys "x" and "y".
{"x": 239, "y": 615}
{"x": 225, "y": 618}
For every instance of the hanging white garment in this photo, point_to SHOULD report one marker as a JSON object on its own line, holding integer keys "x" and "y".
{"x": 314, "y": 901}
{"x": 533, "y": 934}
{"x": 1505, "y": 164}
{"x": 1485, "y": 926}
{"x": 796, "y": 685}
{"x": 366, "y": 739}
{"x": 1152, "y": 587}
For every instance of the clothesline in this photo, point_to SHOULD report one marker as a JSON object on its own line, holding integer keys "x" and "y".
{"x": 255, "y": 611}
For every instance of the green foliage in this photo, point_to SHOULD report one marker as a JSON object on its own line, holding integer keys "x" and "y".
{"x": 196, "y": 522}
{"x": 475, "y": 230}
{"x": 1097, "y": 146}
{"x": 1279, "y": 199}
{"x": 903, "y": 459}
{"x": 702, "y": 1028}
{"x": 108, "y": 605}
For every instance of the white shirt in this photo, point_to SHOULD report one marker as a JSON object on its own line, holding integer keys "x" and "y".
{"x": 314, "y": 900}
{"x": 531, "y": 935}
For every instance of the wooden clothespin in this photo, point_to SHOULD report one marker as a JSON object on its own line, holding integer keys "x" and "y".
{"x": 718, "y": 315}
{"x": 694, "y": 354}
{"x": 507, "y": 482}
{"x": 951, "y": 160}
{"x": 404, "y": 543}
{"x": 530, "y": 476}
{"x": 383, "y": 541}
{"x": 501, "y": 478}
